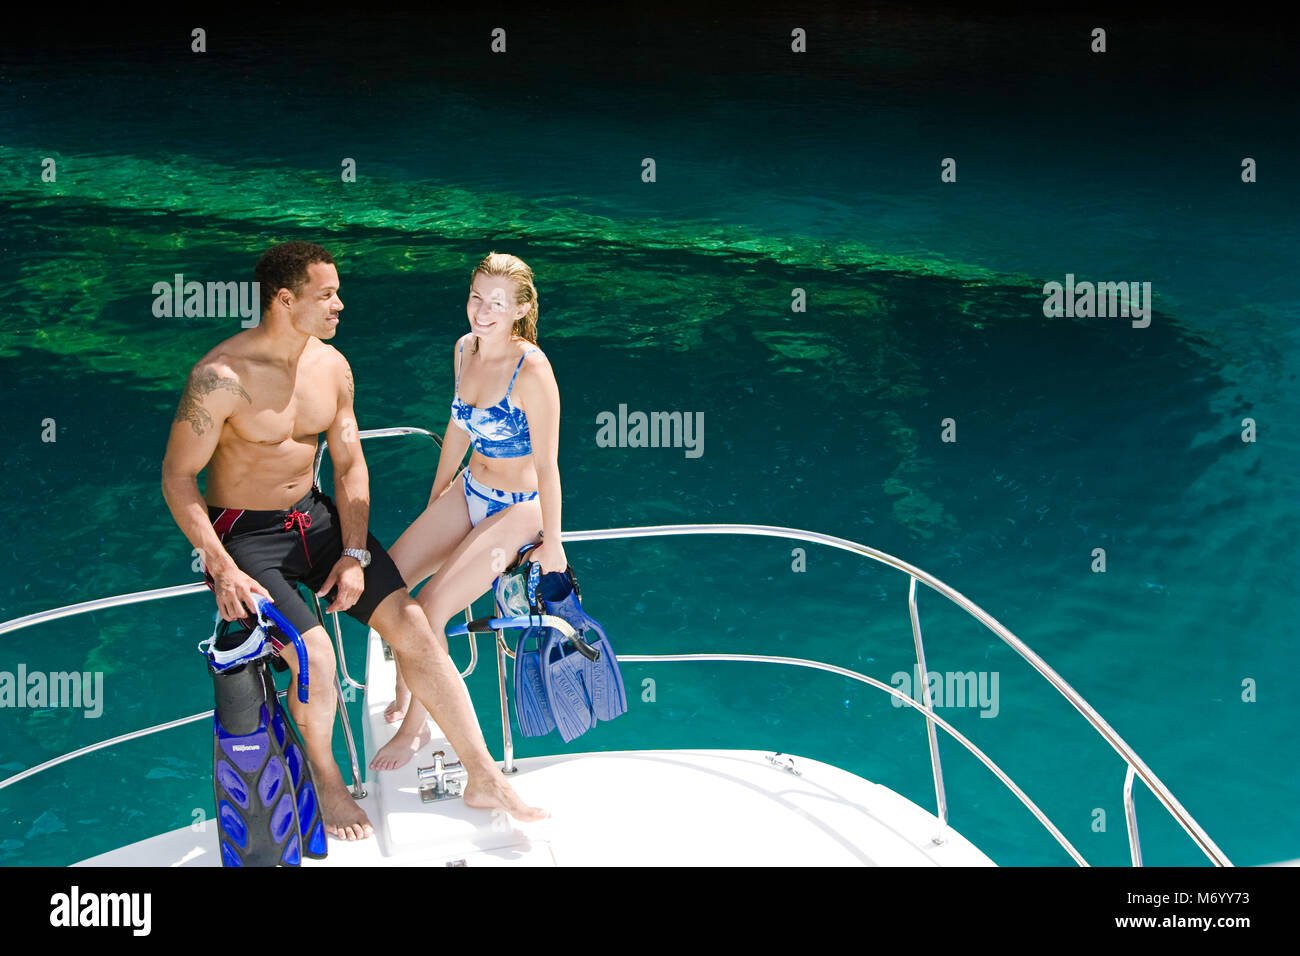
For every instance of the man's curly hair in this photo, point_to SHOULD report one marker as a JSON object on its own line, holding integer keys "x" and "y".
{"x": 285, "y": 267}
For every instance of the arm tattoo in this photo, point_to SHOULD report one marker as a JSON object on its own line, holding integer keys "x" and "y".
{"x": 202, "y": 383}
{"x": 352, "y": 388}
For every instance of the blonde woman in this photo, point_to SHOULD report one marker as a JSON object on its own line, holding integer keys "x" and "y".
{"x": 506, "y": 407}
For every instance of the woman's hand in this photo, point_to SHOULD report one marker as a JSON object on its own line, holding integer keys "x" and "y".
{"x": 550, "y": 555}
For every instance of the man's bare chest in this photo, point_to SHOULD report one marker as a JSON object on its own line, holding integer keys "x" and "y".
{"x": 286, "y": 410}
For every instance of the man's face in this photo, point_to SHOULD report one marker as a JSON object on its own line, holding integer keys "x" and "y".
{"x": 315, "y": 310}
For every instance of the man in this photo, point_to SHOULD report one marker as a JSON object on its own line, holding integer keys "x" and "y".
{"x": 251, "y": 415}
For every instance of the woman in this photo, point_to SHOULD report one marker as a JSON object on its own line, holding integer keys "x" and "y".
{"x": 478, "y": 519}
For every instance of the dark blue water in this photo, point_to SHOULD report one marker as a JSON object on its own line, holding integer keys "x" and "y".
{"x": 774, "y": 172}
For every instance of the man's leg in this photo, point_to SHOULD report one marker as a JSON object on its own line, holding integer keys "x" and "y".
{"x": 435, "y": 682}
{"x": 315, "y": 719}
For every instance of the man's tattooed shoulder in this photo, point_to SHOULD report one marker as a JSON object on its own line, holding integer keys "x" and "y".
{"x": 203, "y": 381}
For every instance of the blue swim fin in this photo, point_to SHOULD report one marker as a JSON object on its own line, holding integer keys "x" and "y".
{"x": 602, "y": 677}
{"x": 556, "y": 686}
{"x": 566, "y": 687}
{"x": 532, "y": 706}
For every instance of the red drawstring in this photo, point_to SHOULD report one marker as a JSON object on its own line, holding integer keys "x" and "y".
{"x": 303, "y": 520}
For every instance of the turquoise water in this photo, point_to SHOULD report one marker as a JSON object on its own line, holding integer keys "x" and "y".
{"x": 924, "y": 303}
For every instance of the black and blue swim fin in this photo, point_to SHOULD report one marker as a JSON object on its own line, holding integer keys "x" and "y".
{"x": 311, "y": 824}
{"x": 268, "y": 811}
{"x": 257, "y": 813}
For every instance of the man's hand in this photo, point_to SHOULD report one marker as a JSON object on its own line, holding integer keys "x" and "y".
{"x": 237, "y": 594}
{"x": 351, "y": 581}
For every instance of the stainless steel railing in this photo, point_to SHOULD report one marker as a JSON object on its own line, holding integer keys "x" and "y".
{"x": 1131, "y": 819}
{"x": 1135, "y": 766}
{"x": 941, "y": 836}
{"x": 1117, "y": 743}
{"x": 941, "y": 801}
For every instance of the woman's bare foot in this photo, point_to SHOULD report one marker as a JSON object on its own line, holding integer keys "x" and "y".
{"x": 395, "y": 712}
{"x": 495, "y": 793}
{"x": 399, "y": 751}
{"x": 342, "y": 816}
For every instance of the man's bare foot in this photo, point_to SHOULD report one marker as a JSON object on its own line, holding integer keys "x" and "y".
{"x": 399, "y": 751}
{"x": 495, "y": 793}
{"x": 342, "y": 816}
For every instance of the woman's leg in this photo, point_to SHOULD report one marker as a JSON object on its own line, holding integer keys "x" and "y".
{"x": 465, "y": 575}
{"x": 419, "y": 552}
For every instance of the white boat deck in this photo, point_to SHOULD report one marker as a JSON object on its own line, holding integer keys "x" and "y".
{"x": 629, "y": 808}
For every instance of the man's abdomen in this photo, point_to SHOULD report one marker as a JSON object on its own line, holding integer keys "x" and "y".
{"x": 259, "y": 477}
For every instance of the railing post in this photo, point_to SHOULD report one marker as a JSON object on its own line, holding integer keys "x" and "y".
{"x": 939, "y": 796}
{"x": 1131, "y": 819}
{"x": 338, "y": 642}
{"x": 473, "y": 648}
{"x": 507, "y": 742}
{"x": 358, "y": 790}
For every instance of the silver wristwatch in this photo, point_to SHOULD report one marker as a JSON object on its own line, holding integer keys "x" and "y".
{"x": 362, "y": 556}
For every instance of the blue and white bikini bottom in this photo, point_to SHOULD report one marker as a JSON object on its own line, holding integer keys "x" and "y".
{"x": 484, "y": 501}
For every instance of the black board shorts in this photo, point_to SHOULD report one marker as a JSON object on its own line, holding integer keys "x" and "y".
{"x": 279, "y": 549}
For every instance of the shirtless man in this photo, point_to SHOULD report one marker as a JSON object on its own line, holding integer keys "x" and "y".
{"x": 251, "y": 415}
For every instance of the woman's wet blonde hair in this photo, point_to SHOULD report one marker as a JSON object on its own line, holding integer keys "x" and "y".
{"x": 505, "y": 266}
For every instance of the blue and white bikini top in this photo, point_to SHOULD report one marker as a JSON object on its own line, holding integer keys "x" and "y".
{"x": 500, "y": 431}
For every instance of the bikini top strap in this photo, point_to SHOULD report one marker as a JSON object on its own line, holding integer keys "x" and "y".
{"x": 459, "y": 349}
{"x": 517, "y": 368}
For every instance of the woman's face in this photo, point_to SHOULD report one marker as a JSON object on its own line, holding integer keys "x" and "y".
{"x": 491, "y": 308}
